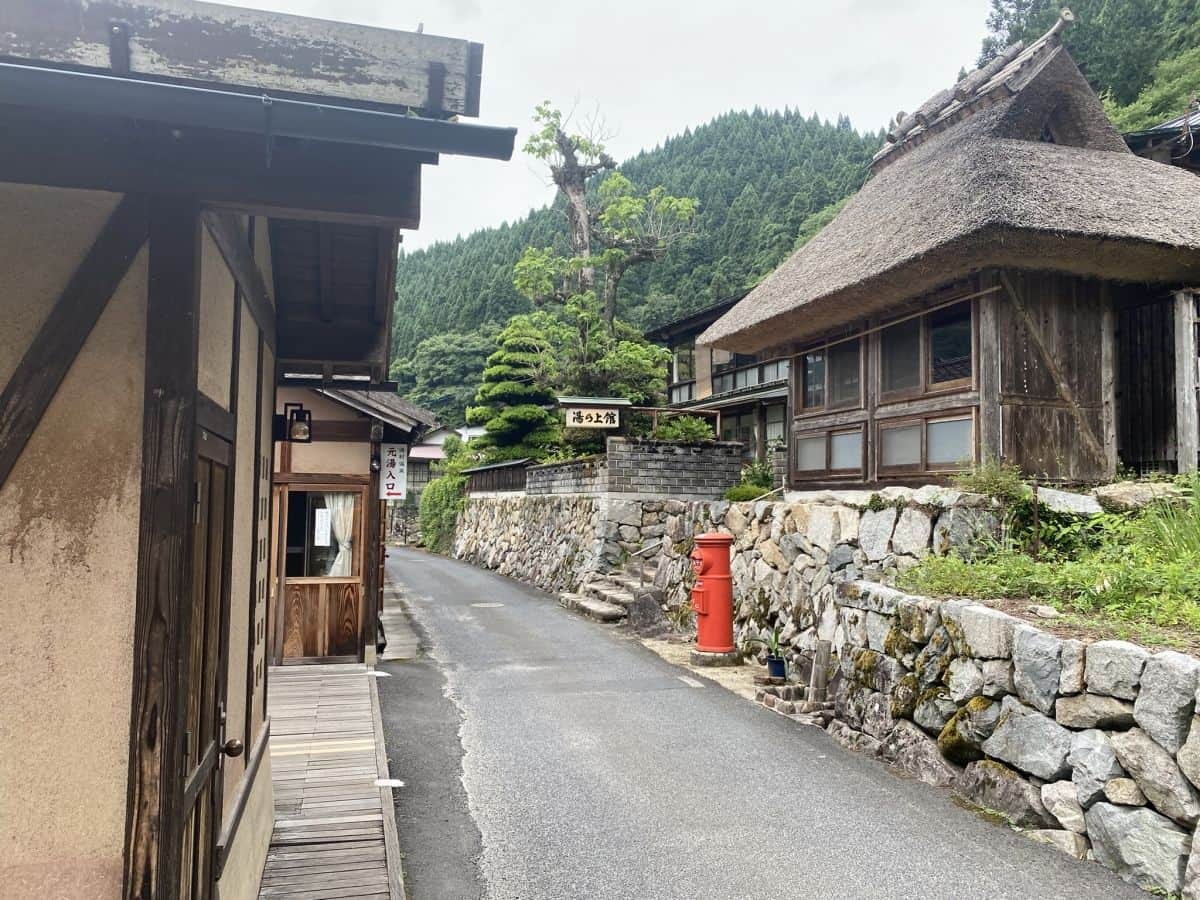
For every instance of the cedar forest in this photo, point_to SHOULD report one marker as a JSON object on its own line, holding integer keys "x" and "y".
{"x": 753, "y": 187}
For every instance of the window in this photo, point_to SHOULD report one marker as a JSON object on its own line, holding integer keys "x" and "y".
{"x": 685, "y": 362}
{"x": 739, "y": 428}
{"x": 901, "y": 355}
{"x": 776, "y": 423}
{"x": 321, "y": 533}
{"x": 834, "y": 452}
{"x": 845, "y": 374}
{"x": 930, "y": 444}
{"x": 813, "y": 372}
{"x": 900, "y": 446}
{"x": 950, "y": 344}
{"x": 832, "y": 376}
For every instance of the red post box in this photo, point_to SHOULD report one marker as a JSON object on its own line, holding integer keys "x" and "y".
{"x": 712, "y": 595}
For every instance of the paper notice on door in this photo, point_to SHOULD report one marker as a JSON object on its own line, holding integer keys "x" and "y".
{"x": 321, "y": 529}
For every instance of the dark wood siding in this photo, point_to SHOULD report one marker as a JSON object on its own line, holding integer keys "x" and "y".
{"x": 1146, "y": 381}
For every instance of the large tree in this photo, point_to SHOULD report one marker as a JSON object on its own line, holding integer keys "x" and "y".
{"x": 611, "y": 228}
{"x": 443, "y": 371}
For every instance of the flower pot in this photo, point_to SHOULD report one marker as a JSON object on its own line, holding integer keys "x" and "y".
{"x": 776, "y": 667}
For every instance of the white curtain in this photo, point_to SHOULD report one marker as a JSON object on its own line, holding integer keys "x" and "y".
{"x": 341, "y": 520}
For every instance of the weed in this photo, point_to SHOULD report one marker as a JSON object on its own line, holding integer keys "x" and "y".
{"x": 993, "y": 478}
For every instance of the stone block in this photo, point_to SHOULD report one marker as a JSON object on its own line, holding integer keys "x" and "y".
{"x": 919, "y": 617}
{"x": 824, "y": 528}
{"x": 852, "y": 739}
{"x": 877, "y": 718}
{"x": 994, "y": 786}
{"x": 1060, "y": 800}
{"x": 962, "y": 737}
{"x": 1070, "y": 679}
{"x": 1026, "y": 739}
{"x": 1093, "y": 764}
{"x": 1070, "y": 843}
{"x": 912, "y": 534}
{"x": 1188, "y": 756}
{"x": 1094, "y": 711}
{"x": 1037, "y": 667}
{"x": 1068, "y": 502}
{"x": 1141, "y": 846}
{"x": 964, "y": 678}
{"x": 934, "y": 659}
{"x": 875, "y": 532}
{"x": 916, "y": 754}
{"x": 1167, "y": 698}
{"x": 997, "y": 678}
{"x": 934, "y": 709}
{"x": 961, "y": 530}
{"x": 1124, "y": 792}
{"x": 1157, "y": 775}
{"x": 982, "y": 632}
{"x": 878, "y": 626}
{"x": 1114, "y": 668}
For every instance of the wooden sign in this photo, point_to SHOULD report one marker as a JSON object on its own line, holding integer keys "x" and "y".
{"x": 592, "y": 417}
{"x": 393, "y": 471}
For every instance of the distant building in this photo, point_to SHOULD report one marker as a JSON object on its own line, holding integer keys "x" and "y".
{"x": 750, "y": 390}
{"x": 1175, "y": 142}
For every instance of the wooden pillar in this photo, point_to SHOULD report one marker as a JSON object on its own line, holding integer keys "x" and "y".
{"x": 1108, "y": 378}
{"x": 1187, "y": 425}
{"x": 760, "y": 431}
{"x": 373, "y": 512}
{"x": 163, "y": 607}
{"x": 988, "y": 338}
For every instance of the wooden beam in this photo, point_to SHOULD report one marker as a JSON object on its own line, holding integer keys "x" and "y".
{"x": 1064, "y": 388}
{"x": 265, "y": 51}
{"x": 301, "y": 478}
{"x": 1187, "y": 421}
{"x": 1109, "y": 378}
{"x": 991, "y": 446}
{"x": 233, "y": 242}
{"x": 325, "y": 290}
{"x": 385, "y": 276}
{"x": 211, "y": 416}
{"x": 45, "y": 364}
{"x": 163, "y": 608}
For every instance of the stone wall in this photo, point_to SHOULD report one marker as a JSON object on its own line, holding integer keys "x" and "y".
{"x": 581, "y": 476}
{"x": 1092, "y": 748}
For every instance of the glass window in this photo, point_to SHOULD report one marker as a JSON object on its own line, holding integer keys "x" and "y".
{"x": 810, "y": 454}
{"x": 813, "y": 372}
{"x": 950, "y": 442}
{"x": 321, "y": 529}
{"x": 900, "y": 446}
{"x": 775, "y": 423}
{"x": 685, "y": 362}
{"x": 845, "y": 450}
{"x": 950, "y": 344}
{"x": 902, "y": 357}
{"x": 844, "y": 374}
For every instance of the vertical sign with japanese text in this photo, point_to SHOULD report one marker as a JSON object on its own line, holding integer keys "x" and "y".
{"x": 393, "y": 471}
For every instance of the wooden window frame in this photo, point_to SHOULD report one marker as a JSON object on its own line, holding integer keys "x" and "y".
{"x": 923, "y": 467}
{"x": 927, "y": 387}
{"x": 827, "y": 407}
{"x": 360, "y": 521}
{"x": 828, "y": 472}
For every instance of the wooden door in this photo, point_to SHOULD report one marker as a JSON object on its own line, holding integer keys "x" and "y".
{"x": 320, "y": 617}
{"x": 204, "y": 723}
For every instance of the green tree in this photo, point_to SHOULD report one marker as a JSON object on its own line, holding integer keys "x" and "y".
{"x": 1172, "y": 91}
{"x": 513, "y": 401}
{"x": 443, "y": 371}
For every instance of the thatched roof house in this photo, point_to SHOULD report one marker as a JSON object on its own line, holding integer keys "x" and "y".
{"x": 1015, "y": 170}
{"x": 1018, "y": 169}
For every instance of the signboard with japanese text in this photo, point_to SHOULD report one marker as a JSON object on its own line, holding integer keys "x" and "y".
{"x": 393, "y": 471}
{"x": 592, "y": 417}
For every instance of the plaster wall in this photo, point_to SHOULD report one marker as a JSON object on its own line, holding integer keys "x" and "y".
{"x": 69, "y": 517}
{"x": 244, "y": 866}
{"x": 217, "y": 293}
{"x": 240, "y": 596}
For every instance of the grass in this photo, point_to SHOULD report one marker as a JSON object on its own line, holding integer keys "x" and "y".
{"x": 1136, "y": 572}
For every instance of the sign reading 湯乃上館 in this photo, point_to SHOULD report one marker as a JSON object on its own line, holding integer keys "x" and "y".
{"x": 393, "y": 471}
{"x": 592, "y": 417}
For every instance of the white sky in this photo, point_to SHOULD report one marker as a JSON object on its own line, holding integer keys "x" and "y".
{"x": 653, "y": 67}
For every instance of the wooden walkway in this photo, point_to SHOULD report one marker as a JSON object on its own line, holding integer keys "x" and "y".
{"x": 335, "y": 830}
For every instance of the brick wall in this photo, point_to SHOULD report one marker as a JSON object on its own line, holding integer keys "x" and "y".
{"x": 581, "y": 476}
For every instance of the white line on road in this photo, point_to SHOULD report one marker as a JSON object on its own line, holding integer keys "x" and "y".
{"x": 487, "y": 605}
{"x": 690, "y": 682}
{"x": 389, "y": 782}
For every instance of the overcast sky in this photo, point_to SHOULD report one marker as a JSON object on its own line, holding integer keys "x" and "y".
{"x": 653, "y": 67}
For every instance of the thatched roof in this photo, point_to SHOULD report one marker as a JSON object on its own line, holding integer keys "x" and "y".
{"x": 975, "y": 187}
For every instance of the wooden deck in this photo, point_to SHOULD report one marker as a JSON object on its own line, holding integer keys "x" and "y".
{"x": 335, "y": 831}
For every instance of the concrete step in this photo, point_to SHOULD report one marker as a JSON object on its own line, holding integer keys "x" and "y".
{"x": 607, "y": 591}
{"x": 593, "y": 608}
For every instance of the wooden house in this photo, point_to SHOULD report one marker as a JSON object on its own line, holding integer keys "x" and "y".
{"x": 1010, "y": 283}
{"x": 328, "y": 544}
{"x": 1175, "y": 142}
{"x": 197, "y": 202}
{"x": 749, "y": 390}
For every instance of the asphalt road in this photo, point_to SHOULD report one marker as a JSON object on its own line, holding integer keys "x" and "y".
{"x": 548, "y": 757}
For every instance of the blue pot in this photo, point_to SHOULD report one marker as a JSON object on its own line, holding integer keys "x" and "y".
{"x": 776, "y": 667}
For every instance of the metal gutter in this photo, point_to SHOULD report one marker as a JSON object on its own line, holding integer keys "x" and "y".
{"x": 89, "y": 93}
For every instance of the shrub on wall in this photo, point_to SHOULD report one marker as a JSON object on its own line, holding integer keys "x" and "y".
{"x": 685, "y": 428}
{"x": 441, "y": 502}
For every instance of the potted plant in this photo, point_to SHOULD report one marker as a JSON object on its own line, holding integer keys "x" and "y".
{"x": 776, "y": 664}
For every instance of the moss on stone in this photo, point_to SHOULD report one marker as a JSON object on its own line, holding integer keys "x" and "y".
{"x": 904, "y": 697}
{"x": 897, "y": 644}
{"x": 953, "y": 745}
{"x": 978, "y": 704}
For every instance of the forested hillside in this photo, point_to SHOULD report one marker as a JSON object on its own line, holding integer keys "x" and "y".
{"x": 758, "y": 175}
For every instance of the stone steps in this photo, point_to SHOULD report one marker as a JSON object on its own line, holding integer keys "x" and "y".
{"x": 592, "y": 607}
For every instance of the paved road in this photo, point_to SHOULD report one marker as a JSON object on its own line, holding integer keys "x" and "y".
{"x": 590, "y": 770}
